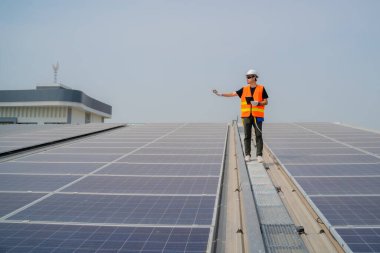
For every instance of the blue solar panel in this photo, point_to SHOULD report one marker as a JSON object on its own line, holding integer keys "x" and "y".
{"x": 373, "y": 150}
{"x": 173, "y": 159}
{"x": 17, "y": 137}
{"x": 315, "y": 139}
{"x": 315, "y": 151}
{"x": 121, "y": 209}
{"x": 334, "y": 169}
{"x": 324, "y": 159}
{"x": 365, "y": 144}
{"x": 123, "y": 140}
{"x": 10, "y": 145}
{"x": 188, "y": 145}
{"x": 75, "y": 238}
{"x": 97, "y": 158}
{"x": 350, "y": 210}
{"x": 337, "y": 185}
{"x": 164, "y": 202}
{"x": 305, "y": 145}
{"x": 162, "y": 169}
{"x": 194, "y": 139}
{"x": 343, "y": 185}
{"x": 49, "y": 168}
{"x": 89, "y": 144}
{"x": 361, "y": 239}
{"x": 33, "y": 182}
{"x": 196, "y": 151}
{"x": 12, "y": 201}
{"x": 146, "y": 185}
{"x": 3, "y": 149}
{"x": 360, "y": 138}
{"x": 90, "y": 150}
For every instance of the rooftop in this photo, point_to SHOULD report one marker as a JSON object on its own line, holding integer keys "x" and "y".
{"x": 186, "y": 188}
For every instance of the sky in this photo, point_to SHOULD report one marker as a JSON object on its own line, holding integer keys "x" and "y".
{"x": 158, "y": 60}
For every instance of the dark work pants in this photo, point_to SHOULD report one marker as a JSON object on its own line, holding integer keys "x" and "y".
{"x": 248, "y": 123}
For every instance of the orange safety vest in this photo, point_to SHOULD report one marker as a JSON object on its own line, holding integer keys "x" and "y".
{"x": 248, "y": 109}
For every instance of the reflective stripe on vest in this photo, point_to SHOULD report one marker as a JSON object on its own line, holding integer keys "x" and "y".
{"x": 246, "y": 108}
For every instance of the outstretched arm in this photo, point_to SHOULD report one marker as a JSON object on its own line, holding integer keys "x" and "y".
{"x": 231, "y": 94}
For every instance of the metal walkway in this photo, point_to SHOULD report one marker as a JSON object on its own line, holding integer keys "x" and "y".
{"x": 278, "y": 230}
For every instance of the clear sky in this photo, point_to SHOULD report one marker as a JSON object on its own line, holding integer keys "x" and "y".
{"x": 158, "y": 60}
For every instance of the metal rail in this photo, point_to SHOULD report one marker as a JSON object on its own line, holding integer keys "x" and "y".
{"x": 251, "y": 224}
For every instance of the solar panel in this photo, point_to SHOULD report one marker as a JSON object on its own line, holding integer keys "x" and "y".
{"x": 306, "y": 145}
{"x": 179, "y": 151}
{"x": 6, "y": 130}
{"x": 364, "y": 145}
{"x": 89, "y": 144}
{"x": 84, "y": 238}
{"x": 146, "y": 185}
{"x": 190, "y": 140}
{"x": 33, "y": 182}
{"x": 4, "y": 149}
{"x": 326, "y": 159}
{"x": 90, "y": 150}
{"x": 173, "y": 158}
{"x": 316, "y": 151}
{"x": 361, "y": 239}
{"x": 48, "y": 168}
{"x": 144, "y": 188}
{"x": 315, "y": 139}
{"x": 141, "y": 140}
{"x": 142, "y": 169}
{"x": 341, "y": 176}
{"x": 188, "y": 145}
{"x": 373, "y": 150}
{"x": 45, "y": 157}
{"x": 122, "y": 209}
{"x": 335, "y": 169}
{"x": 12, "y": 201}
{"x": 350, "y": 210}
{"x": 19, "y": 137}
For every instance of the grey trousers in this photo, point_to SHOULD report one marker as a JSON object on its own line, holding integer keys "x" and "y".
{"x": 248, "y": 123}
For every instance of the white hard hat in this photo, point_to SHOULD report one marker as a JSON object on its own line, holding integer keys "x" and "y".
{"x": 252, "y": 72}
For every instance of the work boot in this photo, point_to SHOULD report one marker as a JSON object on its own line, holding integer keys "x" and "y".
{"x": 260, "y": 159}
{"x": 247, "y": 158}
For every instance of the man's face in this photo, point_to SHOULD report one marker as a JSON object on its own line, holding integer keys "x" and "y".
{"x": 251, "y": 78}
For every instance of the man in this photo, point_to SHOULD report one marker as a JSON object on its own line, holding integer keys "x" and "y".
{"x": 253, "y": 98}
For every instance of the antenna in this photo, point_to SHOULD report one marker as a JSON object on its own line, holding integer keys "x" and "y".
{"x": 55, "y": 69}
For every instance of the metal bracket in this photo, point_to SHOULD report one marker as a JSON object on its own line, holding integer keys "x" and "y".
{"x": 300, "y": 230}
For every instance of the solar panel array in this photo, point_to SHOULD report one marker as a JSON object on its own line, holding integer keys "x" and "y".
{"x": 144, "y": 188}
{"x": 10, "y": 129}
{"x": 14, "y": 137}
{"x": 337, "y": 168}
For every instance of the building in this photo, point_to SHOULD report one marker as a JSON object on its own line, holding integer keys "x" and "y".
{"x": 51, "y": 104}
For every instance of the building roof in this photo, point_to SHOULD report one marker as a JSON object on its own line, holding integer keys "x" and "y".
{"x": 54, "y": 95}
